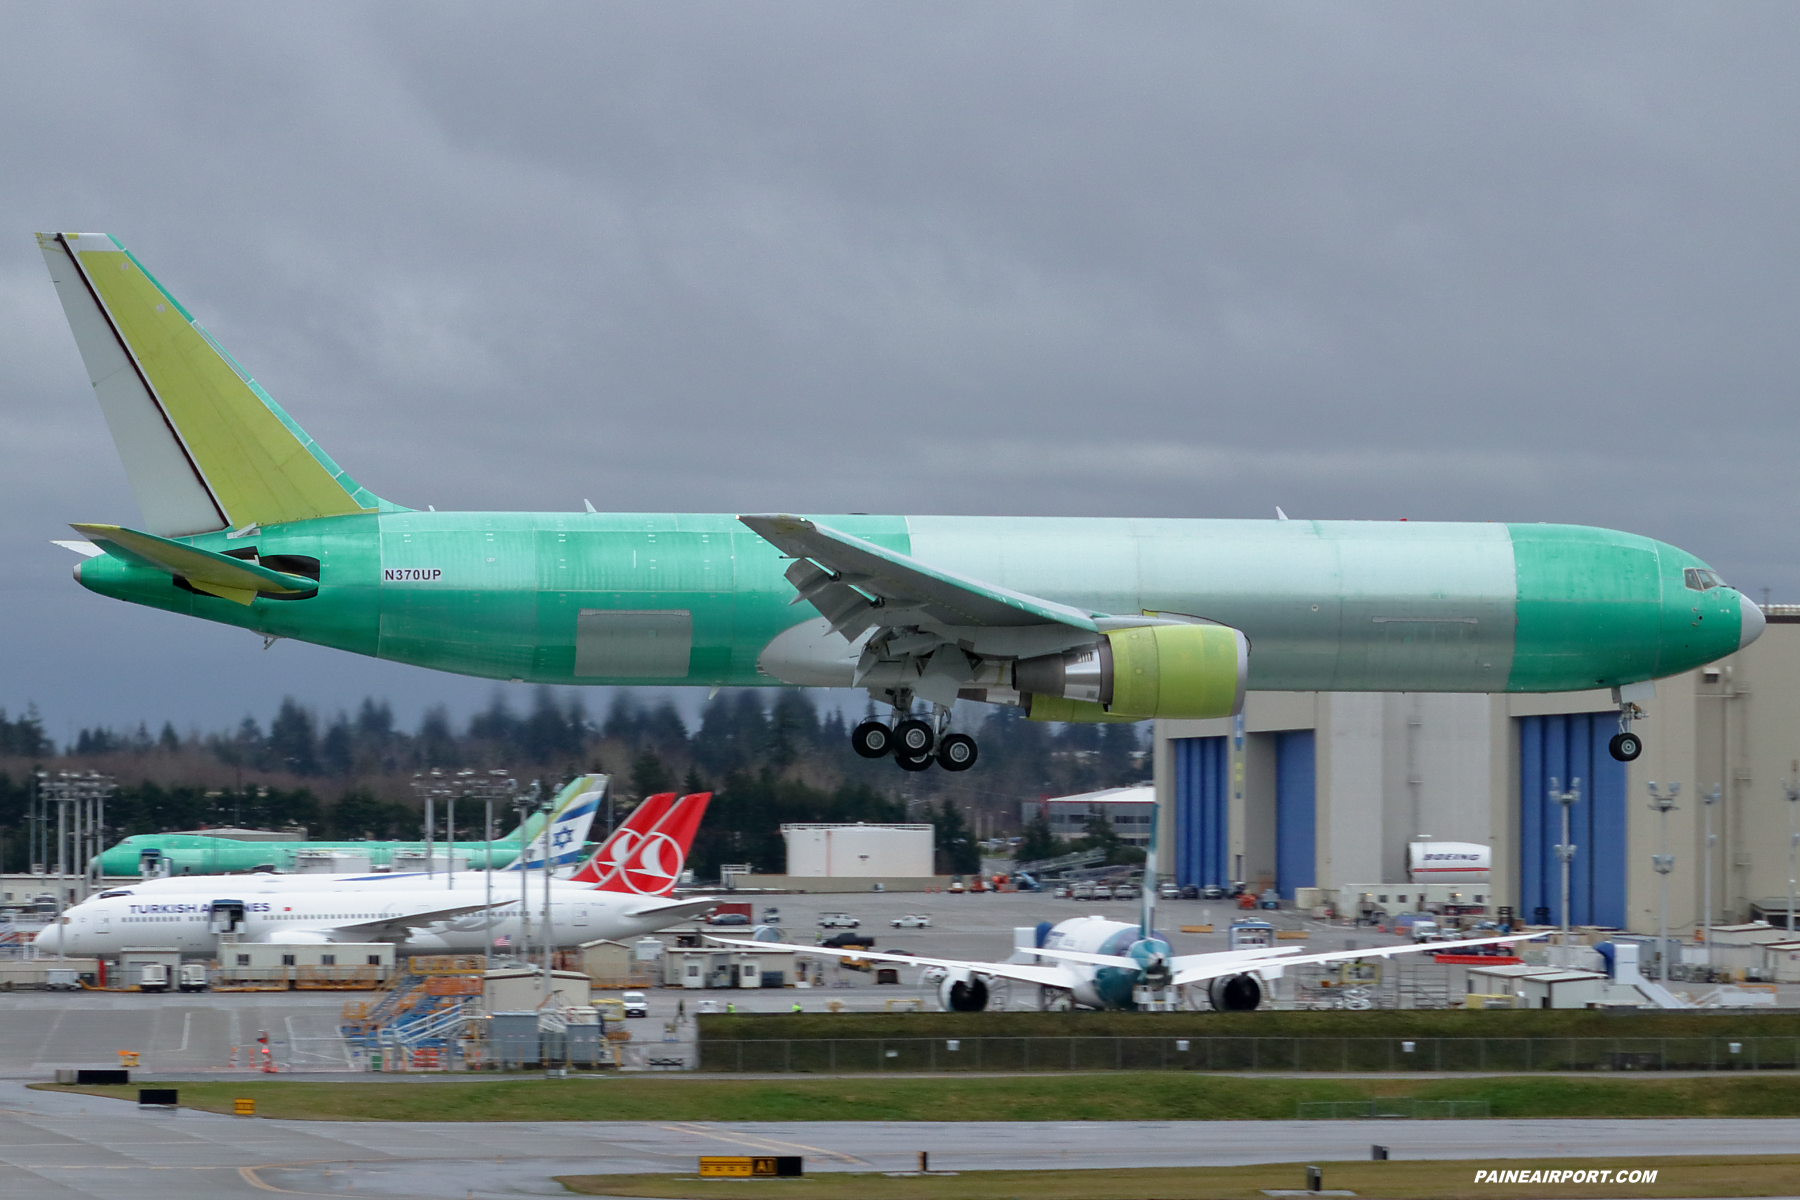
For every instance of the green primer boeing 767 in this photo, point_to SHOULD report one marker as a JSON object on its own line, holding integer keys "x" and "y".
{"x": 248, "y": 522}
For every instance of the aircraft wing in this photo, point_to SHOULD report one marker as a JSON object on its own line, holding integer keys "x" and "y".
{"x": 657, "y": 906}
{"x": 856, "y": 585}
{"x": 398, "y": 924}
{"x": 236, "y": 579}
{"x": 1192, "y": 968}
{"x": 1048, "y": 976}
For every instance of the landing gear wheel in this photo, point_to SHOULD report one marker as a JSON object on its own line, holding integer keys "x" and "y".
{"x": 957, "y": 752}
{"x": 913, "y": 737}
{"x": 1625, "y": 746}
{"x": 909, "y": 762}
{"x": 872, "y": 739}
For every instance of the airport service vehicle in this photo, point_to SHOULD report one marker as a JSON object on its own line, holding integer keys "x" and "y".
{"x": 635, "y": 1004}
{"x": 200, "y": 854}
{"x": 838, "y": 920}
{"x": 728, "y": 918}
{"x": 911, "y": 921}
{"x": 193, "y": 977}
{"x": 153, "y": 977}
{"x": 1093, "y": 962}
{"x": 246, "y": 521}
{"x": 621, "y": 892}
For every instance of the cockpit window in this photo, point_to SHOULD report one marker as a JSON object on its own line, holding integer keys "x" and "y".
{"x": 1699, "y": 579}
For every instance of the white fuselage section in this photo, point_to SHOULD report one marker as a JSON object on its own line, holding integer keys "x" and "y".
{"x": 183, "y": 919}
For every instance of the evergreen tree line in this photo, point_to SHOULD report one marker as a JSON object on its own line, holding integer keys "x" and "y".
{"x": 770, "y": 756}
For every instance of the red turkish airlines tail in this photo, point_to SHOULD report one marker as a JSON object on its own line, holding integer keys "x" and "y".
{"x": 646, "y": 854}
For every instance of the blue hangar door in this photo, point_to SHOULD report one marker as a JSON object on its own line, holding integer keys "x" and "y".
{"x": 1202, "y": 816}
{"x": 1296, "y": 817}
{"x": 1566, "y": 747}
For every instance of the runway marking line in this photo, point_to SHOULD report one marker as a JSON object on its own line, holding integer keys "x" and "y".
{"x": 769, "y": 1144}
{"x": 250, "y": 1176}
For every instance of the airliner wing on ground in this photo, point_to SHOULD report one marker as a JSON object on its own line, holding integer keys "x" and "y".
{"x": 397, "y": 927}
{"x": 1056, "y": 975}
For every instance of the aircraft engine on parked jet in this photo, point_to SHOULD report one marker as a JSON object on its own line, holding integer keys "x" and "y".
{"x": 962, "y": 991}
{"x": 1183, "y": 671}
{"x": 1235, "y": 993}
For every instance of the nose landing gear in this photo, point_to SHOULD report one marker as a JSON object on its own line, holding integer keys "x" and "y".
{"x": 1625, "y": 745}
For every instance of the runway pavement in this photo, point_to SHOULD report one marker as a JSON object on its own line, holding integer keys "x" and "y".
{"x": 57, "y": 1146}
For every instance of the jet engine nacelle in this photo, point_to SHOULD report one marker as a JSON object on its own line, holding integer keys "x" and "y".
{"x": 962, "y": 991}
{"x": 1190, "y": 672}
{"x": 1235, "y": 993}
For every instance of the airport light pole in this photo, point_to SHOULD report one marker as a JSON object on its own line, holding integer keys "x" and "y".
{"x": 1663, "y": 803}
{"x": 1711, "y": 798}
{"x": 1565, "y": 851}
{"x": 1790, "y": 788}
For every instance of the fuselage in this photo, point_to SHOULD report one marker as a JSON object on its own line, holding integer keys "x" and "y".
{"x": 672, "y": 599}
{"x": 198, "y": 854}
{"x": 1103, "y": 986}
{"x": 185, "y": 919}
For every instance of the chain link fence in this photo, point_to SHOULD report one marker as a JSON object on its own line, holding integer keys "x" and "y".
{"x": 1099, "y": 1053}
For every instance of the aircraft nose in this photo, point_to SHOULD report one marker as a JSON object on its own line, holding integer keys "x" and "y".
{"x": 1750, "y": 621}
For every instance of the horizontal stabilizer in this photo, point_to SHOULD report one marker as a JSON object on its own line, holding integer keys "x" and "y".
{"x": 236, "y": 579}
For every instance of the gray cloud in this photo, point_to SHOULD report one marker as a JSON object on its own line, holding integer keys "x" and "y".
{"x": 1482, "y": 261}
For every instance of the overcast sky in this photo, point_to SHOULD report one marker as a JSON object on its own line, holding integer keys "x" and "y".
{"x": 1482, "y": 261}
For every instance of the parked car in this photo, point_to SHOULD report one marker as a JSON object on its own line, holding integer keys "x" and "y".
{"x": 1082, "y": 891}
{"x": 1061, "y": 892}
{"x": 911, "y": 921}
{"x": 843, "y": 941}
{"x": 728, "y": 919}
{"x": 956, "y": 887}
{"x": 1102, "y": 892}
{"x": 1211, "y": 891}
{"x": 635, "y": 1004}
{"x": 838, "y": 920}
{"x": 1169, "y": 891}
{"x": 1127, "y": 891}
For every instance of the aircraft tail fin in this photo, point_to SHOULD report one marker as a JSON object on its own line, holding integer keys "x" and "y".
{"x": 646, "y": 854}
{"x": 204, "y": 446}
{"x": 570, "y": 819}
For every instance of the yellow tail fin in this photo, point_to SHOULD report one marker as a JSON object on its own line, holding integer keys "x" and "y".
{"x": 204, "y": 447}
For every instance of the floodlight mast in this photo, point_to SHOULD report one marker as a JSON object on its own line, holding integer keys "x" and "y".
{"x": 1565, "y": 850}
{"x": 1711, "y": 798}
{"x": 1663, "y": 803}
{"x": 1790, "y": 787}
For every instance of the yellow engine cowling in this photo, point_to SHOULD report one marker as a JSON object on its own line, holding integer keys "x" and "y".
{"x": 1189, "y": 672}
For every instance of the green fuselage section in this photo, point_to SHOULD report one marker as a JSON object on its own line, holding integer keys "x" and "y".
{"x": 1326, "y": 605}
{"x": 197, "y": 854}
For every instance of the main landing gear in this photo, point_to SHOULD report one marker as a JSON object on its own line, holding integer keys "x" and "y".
{"x": 915, "y": 744}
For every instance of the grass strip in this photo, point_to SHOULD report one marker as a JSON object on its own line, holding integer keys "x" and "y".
{"x": 1418, "y": 1180}
{"x": 1122, "y": 1096}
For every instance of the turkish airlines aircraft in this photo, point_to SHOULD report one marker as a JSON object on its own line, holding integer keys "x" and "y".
{"x": 621, "y": 892}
